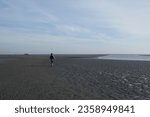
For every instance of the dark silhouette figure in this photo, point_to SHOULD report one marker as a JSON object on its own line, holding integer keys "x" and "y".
{"x": 51, "y": 59}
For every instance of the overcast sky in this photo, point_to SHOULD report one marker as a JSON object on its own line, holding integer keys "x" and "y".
{"x": 75, "y": 26}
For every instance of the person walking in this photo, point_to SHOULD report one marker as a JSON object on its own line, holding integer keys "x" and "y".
{"x": 52, "y": 59}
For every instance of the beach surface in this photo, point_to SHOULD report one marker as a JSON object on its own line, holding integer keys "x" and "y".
{"x": 80, "y": 77}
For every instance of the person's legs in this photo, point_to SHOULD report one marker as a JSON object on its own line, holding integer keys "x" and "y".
{"x": 51, "y": 62}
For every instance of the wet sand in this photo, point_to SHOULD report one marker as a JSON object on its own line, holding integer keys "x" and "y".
{"x": 73, "y": 77}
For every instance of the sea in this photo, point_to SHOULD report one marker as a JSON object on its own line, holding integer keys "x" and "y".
{"x": 131, "y": 57}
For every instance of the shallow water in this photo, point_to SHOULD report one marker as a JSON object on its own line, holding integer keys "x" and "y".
{"x": 133, "y": 57}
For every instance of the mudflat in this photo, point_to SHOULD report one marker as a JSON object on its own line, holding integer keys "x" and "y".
{"x": 78, "y": 77}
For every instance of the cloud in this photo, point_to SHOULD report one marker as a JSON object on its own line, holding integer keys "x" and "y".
{"x": 96, "y": 25}
{"x": 21, "y": 10}
{"x": 133, "y": 21}
{"x": 125, "y": 17}
{"x": 73, "y": 30}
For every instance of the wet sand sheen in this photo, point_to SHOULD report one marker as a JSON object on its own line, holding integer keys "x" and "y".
{"x": 131, "y": 57}
{"x": 31, "y": 77}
